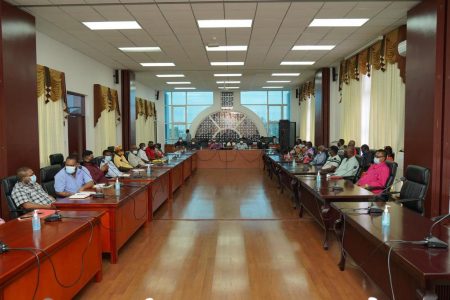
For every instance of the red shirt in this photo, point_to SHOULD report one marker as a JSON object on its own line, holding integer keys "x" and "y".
{"x": 375, "y": 177}
{"x": 151, "y": 154}
{"x": 97, "y": 175}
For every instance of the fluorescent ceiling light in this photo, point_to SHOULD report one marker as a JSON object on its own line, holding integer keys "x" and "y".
{"x": 165, "y": 64}
{"x": 272, "y": 87}
{"x": 313, "y": 47}
{"x": 338, "y": 22}
{"x": 169, "y": 75}
{"x": 227, "y": 63}
{"x": 278, "y": 81}
{"x": 224, "y": 23}
{"x": 228, "y": 87}
{"x": 228, "y": 81}
{"x": 297, "y": 63}
{"x": 228, "y": 75}
{"x": 140, "y": 49}
{"x": 226, "y": 48}
{"x": 286, "y": 74}
{"x": 178, "y": 82}
{"x": 112, "y": 25}
{"x": 185, "y": 88}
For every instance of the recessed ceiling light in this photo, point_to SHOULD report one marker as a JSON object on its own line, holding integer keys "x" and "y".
{"x": 272, "y": 87}
{"x": 313, "y": 47}
{"x": 185, "y": 88}
{"x": 338, "y": 22}
{"x": 286, "y": 74}
{"x": 228, "y": 87}
{"x": 227, "y": 63}
{"x": 118, "y": 25}
{"x": 228, "y": 82}
{"x": 140, "y": 49}
{"x": 169, "y": 75}
{"x": 178, "y": 82}
{"x": 226, "y": 48}
{"x": 297, "y": 63}
{"x": 164, "y": 64}
{"x": 228, "y": 75}
{"x": 224, "y": 23}
{"x": 278, "y": 81}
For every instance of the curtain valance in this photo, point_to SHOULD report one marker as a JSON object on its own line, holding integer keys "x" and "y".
{"x": 105, "y": 98}
{"x": 52, "y": 84}
{"x": 306, "y": 91}
{"x": 145, "y": 108}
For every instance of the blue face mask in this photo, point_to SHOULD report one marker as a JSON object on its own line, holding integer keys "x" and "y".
{"x": 108, "y": 158}
{"x": 70, "y": 169}
{"x": 33, "y": 179}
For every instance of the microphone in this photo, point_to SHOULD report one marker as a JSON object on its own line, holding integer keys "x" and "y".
{"x": 97, "y": 194}
{"x": 374, "y": 209}
{"x": 340, "y": 188}
{"x": 431, "y": 240}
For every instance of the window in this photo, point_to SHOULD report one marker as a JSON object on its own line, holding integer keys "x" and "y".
{"x": 75, "y": 103}
{"x": 270, "y": 106}
{"x": 181, "y": 110}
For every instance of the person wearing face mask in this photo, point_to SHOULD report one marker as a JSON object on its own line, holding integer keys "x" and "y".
{"x": 121, "y": 161}
{"x": 97, "y": 173}
{"x": 141, "y": 153}
{"x": 158, "y": 151}
{"x": 113, "y": 171}
{"x": 72, "y": 178}
{"x": 377, "y": 175}
{"x": 28, "y": 194}
{"x": 241, "y": 145}
{"x": 134, "y": 159}
{"x": 348, "y": 167}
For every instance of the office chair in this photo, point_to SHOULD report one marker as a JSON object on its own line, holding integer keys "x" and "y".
{"x": 98, "y": 160}
{"x": 8, "y": 184}
{"x": 48, "y": 179}
{"x": 414, "y": 189}
{"x": 56, "y": 159}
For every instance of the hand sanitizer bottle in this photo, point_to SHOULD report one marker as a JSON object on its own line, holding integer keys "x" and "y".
{"x": 386, "y": 217}
{"x": 117, "y": 187}
{"x": 149, "y": 170}
{"x": 36, "y": 221}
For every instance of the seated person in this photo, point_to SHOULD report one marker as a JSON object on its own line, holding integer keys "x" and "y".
{"x": 121, "y": 161}
{"x": 158, "y": 151}
{"x": 297, "y": 153}
{"x": 348, "y": 167}
{"x": 194, "y": 145}
{"x": 262, "y": 144}
{"x": 389, "y": 153}
{"x": 321, "y": 157}
{"x": 113, "y": 171}
{"x": 307, "y": 157}
{"x": 333, "y": 161}
{"x": 214, "y": 145}
{"x": 241, "y": 145}
{"x": 150, "y": 151}
{"x": 274, "y": 140}
{"x": 28, "y": 194}
{"x": 286, "y": 155}
{"x": 352, "y": 144}
{"x": 180, "y": 143}
{"x": 97, "y": 173}
{"x": 72, "y": 178}
{"x": 366, "y": 156}
{"x": 2, "y": 221}
{"x": 376, "y": 177}
{"x": 134, "y": 159}
{"x": 309, "y": 148}
{"x": 141, "y": 153}
{"x": 341, "y": 146}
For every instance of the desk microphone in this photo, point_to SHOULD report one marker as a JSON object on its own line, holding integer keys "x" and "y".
{"x": 432, "y": 241}
{"x": 374, "y": 209}
{"x": 97, "y": 194}
{"x": 336, "y": 187}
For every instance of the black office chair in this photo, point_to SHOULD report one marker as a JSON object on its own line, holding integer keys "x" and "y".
{"x": 98, "y": 160}
{"x": 48, "y": 179}
{"x": 415, "y": 187}
{"x": 56, "y": 159}
{"x": 8, "y": 184}
{"x": 111, "y": 148}
{"x": 358, "y": 172}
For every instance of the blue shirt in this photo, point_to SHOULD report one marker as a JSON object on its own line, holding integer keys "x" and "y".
{"x": 113, "y": 171}
{"x": 69, "y": 183}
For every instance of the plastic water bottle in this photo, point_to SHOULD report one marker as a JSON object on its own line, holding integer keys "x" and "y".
{"x": 386, "y": 217}
{"x": 117, "y": 187}
{"x": 149, "y": 170}
{"x": 318, "y": 180}
{"x": 36, "y": 221}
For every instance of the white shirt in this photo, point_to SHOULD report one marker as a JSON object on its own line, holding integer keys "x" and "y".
{"x": 241, "y": 146}
{"x": 135, "y": 160}
{"x": 142, "y": 155}
{"x": 332, "y": 161}
{"x": 112, "y": 169}
{"x": 348, "y": 167}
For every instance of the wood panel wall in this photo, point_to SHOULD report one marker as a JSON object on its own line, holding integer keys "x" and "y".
{"x": 128, "y": 110}
{"x": 322, "y": 107}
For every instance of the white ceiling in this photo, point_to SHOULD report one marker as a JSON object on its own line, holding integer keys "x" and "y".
{"x": 171, "y": 25}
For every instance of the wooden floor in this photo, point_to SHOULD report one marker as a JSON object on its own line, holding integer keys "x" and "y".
{"x": 229, "y": 234}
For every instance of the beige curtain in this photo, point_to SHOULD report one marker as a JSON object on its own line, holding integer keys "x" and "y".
{"x": 145, "y": 120}
{"x": 351, "y": 111}
{"x": 387, "y": 109}
{"x": 52, "y": 109}
{"x": 312, "y": 119}
{"x": 303, "y": 119}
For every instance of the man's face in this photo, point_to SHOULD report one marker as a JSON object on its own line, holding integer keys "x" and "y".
{"x": 71, "y": 163}
{"x": 349, "y": 151}
{"x": 27, "y": 178}
{"x": 380, "y": 156}
{"x": 89, "y": 158}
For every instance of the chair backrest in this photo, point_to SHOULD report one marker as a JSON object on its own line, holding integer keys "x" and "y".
{"x": 373, "y": 151}
{"x": 48, "y": 179}
{"x": 392, "y": 173}
{"x": 126, "y": 154}
{"x": 360, "y": 168}
{"x": 111, "y": 148}
{"x": 8, "y": 184}
{"x": 415, "y": 187}
{"x": 56, "y": 159}
{"x": 98, "y": 160}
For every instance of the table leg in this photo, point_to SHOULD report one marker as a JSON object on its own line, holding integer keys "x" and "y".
{"x": 98, "y": 276}
{"x": 149, "y": 204}
{"x": 112, "y": 236}
{"x": 324, "y": 212}
{"x": 294, "y": 187}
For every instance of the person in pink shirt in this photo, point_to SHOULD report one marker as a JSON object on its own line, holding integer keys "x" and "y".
{"x": 377, "y": 175}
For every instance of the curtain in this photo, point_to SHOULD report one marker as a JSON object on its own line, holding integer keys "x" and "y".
{"x": 303, "y": 119}
{"x": 312, "y": 118}
{"x": 351, "y": 111}
{"x": 52, "y": 109}
{"x": 145, "y": 120}
{"x": 387, "y": 109}
{"x": 106, "y": 117}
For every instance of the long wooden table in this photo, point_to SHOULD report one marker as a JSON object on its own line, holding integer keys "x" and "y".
{"x": 230, "y": 159}
{"x": 316, "y": 199}
{"x": 64, "y": 242}
{"x": 417, "y": 272}
{"x": 125, "y": 214}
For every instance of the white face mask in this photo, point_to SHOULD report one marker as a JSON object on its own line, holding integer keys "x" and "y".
{"x": 108, "y": 158}
{"x": 376, "y": 160}
{"x": 70, "y": 169}
{"x": 241, "y": 142}
{"x": 134, "y": 152}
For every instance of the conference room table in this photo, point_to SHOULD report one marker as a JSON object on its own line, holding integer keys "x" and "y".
{"x": 73, "y": 245}
{"x": 230, "y": 159}
{"x": 287, "y": 172}
{"x": 417, "y": 272}
{"x": 180, "y": 168}
{"x": 316, "y": 199}
{"x": 124, "y": 213}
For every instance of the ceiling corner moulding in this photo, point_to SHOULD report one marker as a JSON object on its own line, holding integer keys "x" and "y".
{"x": 225, "y": 23}
{"x": 112, "y": 25}
{"x": 338, "y": 22}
